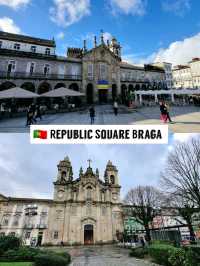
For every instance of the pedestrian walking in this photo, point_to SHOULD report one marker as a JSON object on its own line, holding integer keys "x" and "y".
{"x": 33, "y": 111}
{"x": 142, "y": 242}
{"x": 38, "y": 112}
{"x": 168, "y": 115}
{"x": 29, "y": 117}
{"x": 92, "y": 114}
{"x": 163, "y": 111}
{"x": 115, "y": 107}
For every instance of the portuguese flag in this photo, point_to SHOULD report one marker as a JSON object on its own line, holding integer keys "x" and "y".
{"x": 39, "y": 134}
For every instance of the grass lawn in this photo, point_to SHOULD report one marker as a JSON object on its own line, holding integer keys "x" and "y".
{"x": 16, "y": 264}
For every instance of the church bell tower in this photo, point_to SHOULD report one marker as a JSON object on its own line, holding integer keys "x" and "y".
{"x": 111, "y": 174}
{"x": 63, "y": 180}
{"x": 65, "y": 172}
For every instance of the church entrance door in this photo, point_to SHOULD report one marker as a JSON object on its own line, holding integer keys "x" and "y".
{"x": 88, "y": 234}
{"x": 103, "y": 96}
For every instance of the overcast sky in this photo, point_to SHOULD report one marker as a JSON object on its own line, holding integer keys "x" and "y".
{"x": 28, "y": 170}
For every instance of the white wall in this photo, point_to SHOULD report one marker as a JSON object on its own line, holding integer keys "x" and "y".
{"x": 26, "y": 47}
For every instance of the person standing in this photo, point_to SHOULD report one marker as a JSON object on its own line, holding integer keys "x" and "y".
{"x": 2, "y": 109}
{"x": 92, "y": 114}
{"x": 115, "y": 106}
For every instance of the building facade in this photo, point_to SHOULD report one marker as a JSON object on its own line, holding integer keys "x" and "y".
{"x": 86, "y": 210}
{"x": 187, "y": 76}
{"x": 99, "y": 72}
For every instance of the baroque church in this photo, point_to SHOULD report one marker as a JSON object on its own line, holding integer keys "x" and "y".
{"x": 84, "y": 210}
{"x": 98, "y": 71}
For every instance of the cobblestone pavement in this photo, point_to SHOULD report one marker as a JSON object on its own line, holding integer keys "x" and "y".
{"x": 186, "y": 119}
{"x": 103, "y": 256}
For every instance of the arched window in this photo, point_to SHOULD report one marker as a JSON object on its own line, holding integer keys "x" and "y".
{"x": 63, "y": 175}
{"x": 112, "y": 179}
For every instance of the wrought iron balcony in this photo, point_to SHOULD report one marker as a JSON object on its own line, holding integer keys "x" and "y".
{"x": 29, "y": 226}
{"x": 41, "y": 226}
{"x": 41, "y": 76}
{"x": 133, "y": 80}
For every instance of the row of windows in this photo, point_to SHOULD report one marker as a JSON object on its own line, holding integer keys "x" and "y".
{"x": 33, "y": 48}
{"x": 16, "y": 218}
{"x": 31, "y": 66}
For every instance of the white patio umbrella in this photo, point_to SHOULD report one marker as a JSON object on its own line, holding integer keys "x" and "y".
{"x": 62, "y": 92}
{"x": 17, "y": 93}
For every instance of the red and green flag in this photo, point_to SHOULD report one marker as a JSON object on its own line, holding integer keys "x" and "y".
{"x": 40, "y": 134}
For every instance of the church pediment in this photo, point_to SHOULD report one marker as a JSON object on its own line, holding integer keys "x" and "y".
{"x": 101, "y": 53}
{"x": 88, "y": 220}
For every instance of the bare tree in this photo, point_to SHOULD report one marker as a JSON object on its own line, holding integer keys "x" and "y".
{"x": 143, "y": 201}
{"x": 183, "y": 208}
{"x": 181, "y": 175}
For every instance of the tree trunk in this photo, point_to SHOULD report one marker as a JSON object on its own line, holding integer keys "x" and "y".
{"x": 192, "y": 234}
{"x": 148, "y": 235}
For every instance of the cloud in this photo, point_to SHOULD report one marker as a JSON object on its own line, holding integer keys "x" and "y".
{"x": 183, "y": 137}
{"x": 60, "y": 35}
{"x": 128, "y": 7}
{"x": 15, "y": 4}
{"x": 179, "y": 7}
{"x": 8, "y": 25}
{"x": 178, "y": 52}
{"x": 67, "y": 12}
{"x": 107, "y": 36}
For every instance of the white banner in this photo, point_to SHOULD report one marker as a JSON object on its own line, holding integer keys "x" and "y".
{"x": 99, "y": 134}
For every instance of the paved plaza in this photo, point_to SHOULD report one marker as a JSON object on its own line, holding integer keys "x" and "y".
{"x": 186, "y": 119}
{"x": 103, "y": 256}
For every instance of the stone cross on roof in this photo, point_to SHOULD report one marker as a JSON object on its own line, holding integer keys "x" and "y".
{"x": 89, "y": 161}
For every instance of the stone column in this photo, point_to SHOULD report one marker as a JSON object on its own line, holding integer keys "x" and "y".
{"x": 140, "y": 98}
{"x": 156, "y": 98}
{"x": 172, "y": 95}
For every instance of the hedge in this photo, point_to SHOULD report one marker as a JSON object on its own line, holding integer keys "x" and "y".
{"x": 161, "y": 253}
{"x": 9, "y": 242}
{"x": 169, "y": 255}
{"x": 50, "y": 260}
{"x": 139, "y": 252}
{"x": 21, "y": 254}
{"x": 177, "y": 257}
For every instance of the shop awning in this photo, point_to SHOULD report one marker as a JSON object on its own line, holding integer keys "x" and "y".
{"x": 17, "y": 93}
{"x": 62, "y": 92}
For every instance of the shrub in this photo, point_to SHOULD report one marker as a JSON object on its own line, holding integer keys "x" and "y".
{"x": 65, "y": 255}
{"x": 192, "y": 256}
{"x": 161, "y": 253}
{"x": 177, "y": 257}
{"x": 162, "y": 242}
{"x": 50, "y": 260}
{"x": 21, "y": 254}
{"x": 138, "y": 252}
{"x": 9, "y": 242}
